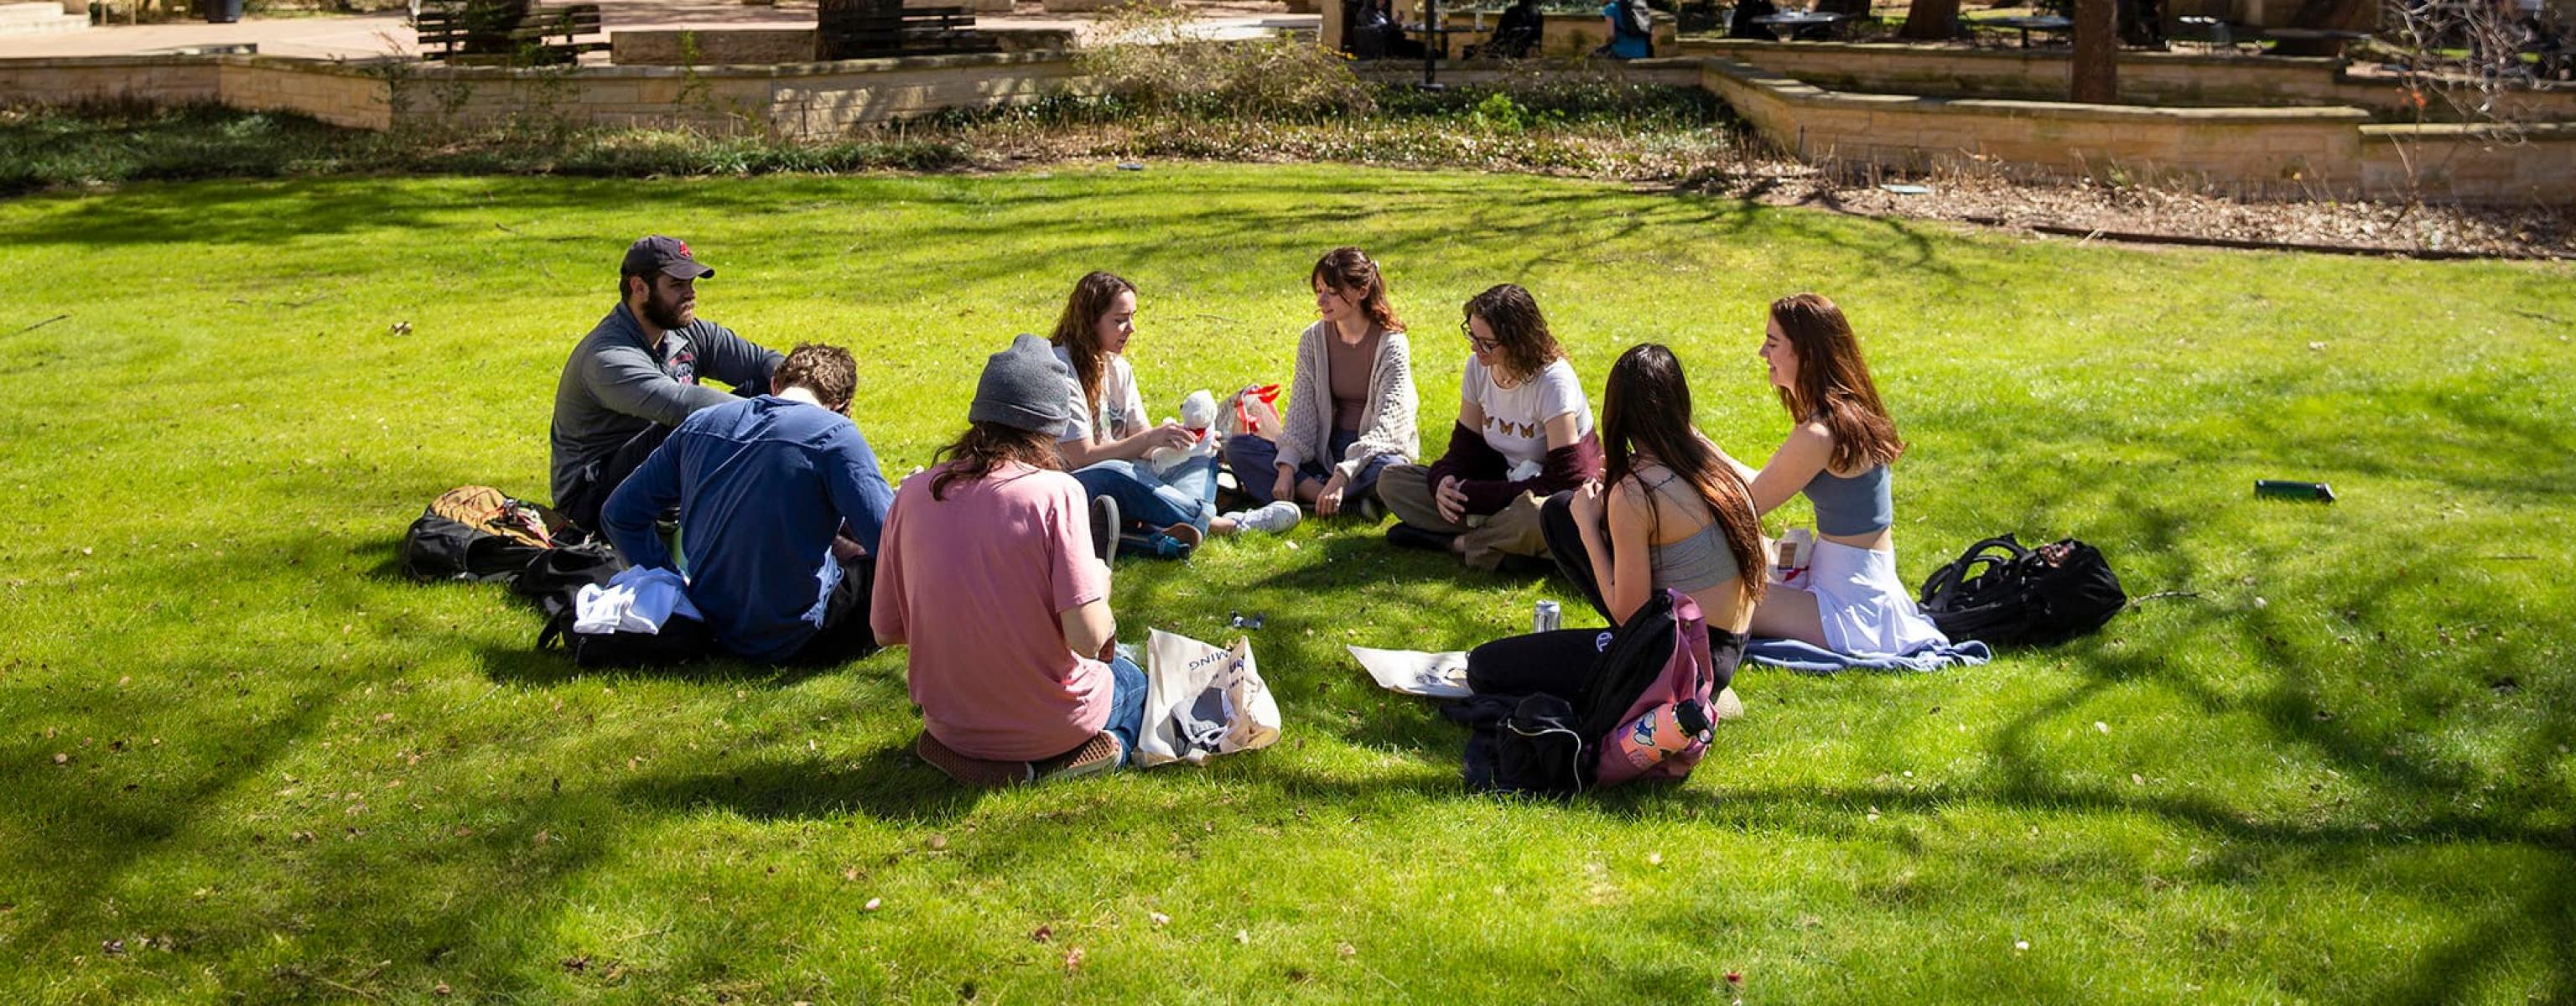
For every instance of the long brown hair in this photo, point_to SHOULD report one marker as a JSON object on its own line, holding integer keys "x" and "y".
{"x": 1347, "y": 269}
{"x": 1646, "y": 409}
{"x": 1833, "y": 385}
{"x": 987, "y": 446}
{"x": 1078, "y": 329}
{"x": 1525, "y": 344}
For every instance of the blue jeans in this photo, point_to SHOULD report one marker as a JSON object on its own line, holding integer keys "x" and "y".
{"x": 1255, "y": 461}
{"x": 1185, "y": 495}
{"x": 1126, "y": 705}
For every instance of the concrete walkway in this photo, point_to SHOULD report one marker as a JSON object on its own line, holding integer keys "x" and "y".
{"x": 365, "y": 36}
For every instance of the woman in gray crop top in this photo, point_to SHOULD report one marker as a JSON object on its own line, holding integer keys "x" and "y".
{"x": 1850, "y": 600}
{"x": 1674, "y": 516}
{"x": 1668, "y": 512}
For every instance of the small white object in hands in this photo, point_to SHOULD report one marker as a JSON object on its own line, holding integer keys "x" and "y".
{"x": 1198, "y": 415}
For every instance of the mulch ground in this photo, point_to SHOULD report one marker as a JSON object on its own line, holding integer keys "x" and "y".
{"x": 2135, "y": 213}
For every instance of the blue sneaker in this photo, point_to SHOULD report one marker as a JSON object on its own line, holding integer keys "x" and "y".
{"x": 1155, "y": 544}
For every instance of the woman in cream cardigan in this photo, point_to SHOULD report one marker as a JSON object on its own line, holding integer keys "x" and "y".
{"x": 1350, "y": 407}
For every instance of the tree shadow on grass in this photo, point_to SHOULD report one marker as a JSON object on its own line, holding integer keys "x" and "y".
{"x": 535, "y": 668}
{"x": 889, "y": 784}
{"x": 99, "y": 808}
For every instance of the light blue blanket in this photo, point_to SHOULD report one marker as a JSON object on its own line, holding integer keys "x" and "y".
{"x": 1806, "y": 659}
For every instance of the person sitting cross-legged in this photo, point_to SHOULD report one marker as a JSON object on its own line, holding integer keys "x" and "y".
{"x": 990, "y": 580}
{"x": 1350, "y": 408}
{"x": 781, "y": 505}
{"x": 1524, "y": 433}
{"x": 1107, "y": 440}
{"x": 636, "y": 375}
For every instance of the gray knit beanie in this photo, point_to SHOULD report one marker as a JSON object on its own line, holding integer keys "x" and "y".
{"x": 1024, "y": 387}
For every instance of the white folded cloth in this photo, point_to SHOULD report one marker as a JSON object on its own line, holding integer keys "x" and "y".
{"x": 636, "y": 600}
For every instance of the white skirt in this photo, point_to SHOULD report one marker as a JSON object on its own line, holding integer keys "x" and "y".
{"x": 1867, "y": 611}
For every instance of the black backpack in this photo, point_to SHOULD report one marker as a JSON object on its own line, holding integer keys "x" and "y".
{"x": 2002, "y": 594}
{"x": 1543, "y": 744}
{"x": 478, "y": 533}
{"x": 554, "y": 582}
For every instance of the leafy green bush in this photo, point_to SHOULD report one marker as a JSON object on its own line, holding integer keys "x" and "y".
{"x": 105, "y": 144}
{"x": 1574, "y": 92}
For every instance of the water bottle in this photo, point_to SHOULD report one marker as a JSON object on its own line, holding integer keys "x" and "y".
{"x": 1663, "y": 732}
{"x": 2316, "y": 492}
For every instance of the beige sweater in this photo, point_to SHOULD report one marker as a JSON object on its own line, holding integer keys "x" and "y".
{"x": 1306, "y": 425}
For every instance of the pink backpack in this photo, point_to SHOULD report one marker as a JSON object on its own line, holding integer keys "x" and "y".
{"x": 1665, "y": 731}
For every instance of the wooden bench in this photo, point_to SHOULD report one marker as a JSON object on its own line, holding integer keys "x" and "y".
{"x": 502, "y": 31}
{"x": 865, "y": 29}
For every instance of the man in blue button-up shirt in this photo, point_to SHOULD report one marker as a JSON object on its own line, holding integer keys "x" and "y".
{"x": 780, "y": 506}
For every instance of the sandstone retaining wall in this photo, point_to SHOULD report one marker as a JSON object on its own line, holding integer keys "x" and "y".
{"x": 2305, "y": 151}
{"x": 793, "y": 101}
{"x": 2310, "y": 150}
{"x": 2146, "y": 78}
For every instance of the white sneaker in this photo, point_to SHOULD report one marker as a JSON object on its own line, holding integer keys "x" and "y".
{"x": 1726, "y": 706}
{"x": 1276, "y": 518}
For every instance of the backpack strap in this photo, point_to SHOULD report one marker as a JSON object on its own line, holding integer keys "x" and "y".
{"x": 1946, "y": 579}
{"x": 557, "y": 631}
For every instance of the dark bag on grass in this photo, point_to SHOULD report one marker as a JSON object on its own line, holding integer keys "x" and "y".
{"x": 554, "y": 578}
{"x": 2002, "y": 594}
{"x": 681, "y": 640}
{"x": 555, "y": 581}
{"x": 1560, "y": 746}
{"x": 1538, "y": 749}
{"x": 478, "y": 533}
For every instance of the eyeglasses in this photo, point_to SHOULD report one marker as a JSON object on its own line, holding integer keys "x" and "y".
{"x": 1480, "y": 345}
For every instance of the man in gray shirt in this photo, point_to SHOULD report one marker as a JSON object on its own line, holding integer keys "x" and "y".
{"x": 636, "y": 376}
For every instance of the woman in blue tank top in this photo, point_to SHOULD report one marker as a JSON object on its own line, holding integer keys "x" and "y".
{"x": 1850, "y": 599}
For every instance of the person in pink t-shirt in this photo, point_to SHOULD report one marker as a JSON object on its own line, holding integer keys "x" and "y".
{"x": 986, "y": 572}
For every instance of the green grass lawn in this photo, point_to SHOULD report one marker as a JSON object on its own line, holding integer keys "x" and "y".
{"x": 241, "y": 758}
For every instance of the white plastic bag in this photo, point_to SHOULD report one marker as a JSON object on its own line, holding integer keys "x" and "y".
{"x": 1201, "y": 701}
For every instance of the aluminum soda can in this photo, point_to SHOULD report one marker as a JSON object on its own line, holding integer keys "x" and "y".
{"x": 1547, "y": 618}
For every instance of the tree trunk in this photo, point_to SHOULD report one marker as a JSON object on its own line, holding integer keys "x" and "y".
{"x": 2097, "y": 52}
{"x": 1931, "y": 21}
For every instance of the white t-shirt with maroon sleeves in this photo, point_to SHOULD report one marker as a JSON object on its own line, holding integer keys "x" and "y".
{"x": 1516, "y": 417}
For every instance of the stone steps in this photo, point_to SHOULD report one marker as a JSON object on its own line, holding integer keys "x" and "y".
{"x": 38, "y": 19}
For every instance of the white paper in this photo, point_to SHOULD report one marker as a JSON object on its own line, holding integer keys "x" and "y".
{"x": 1413, "y": 672}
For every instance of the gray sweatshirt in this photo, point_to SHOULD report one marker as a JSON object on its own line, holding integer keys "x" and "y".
{"x": 616, "y": 385}
{"x": 1306, "y": 425}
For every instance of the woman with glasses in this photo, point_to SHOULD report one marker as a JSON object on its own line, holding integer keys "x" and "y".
{"x": 1524, "y": 433}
